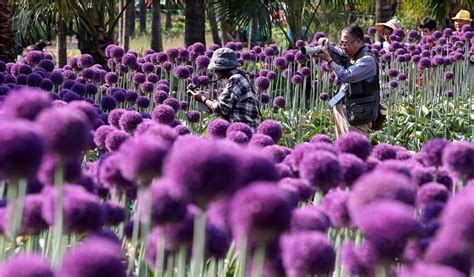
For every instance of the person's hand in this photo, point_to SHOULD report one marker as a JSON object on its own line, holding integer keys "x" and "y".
{"x": 324, "y": 55}
{"x": 323, "y": 41}
{"x": 197, "y": 95}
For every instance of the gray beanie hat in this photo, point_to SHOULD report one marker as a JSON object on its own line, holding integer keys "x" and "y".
{"x": 223, "y": 58}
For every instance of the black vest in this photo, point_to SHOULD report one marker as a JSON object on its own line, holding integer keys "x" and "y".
{"x": 363, "y": 97}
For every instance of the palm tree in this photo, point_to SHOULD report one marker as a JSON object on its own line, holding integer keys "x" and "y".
{"x": 7, "y": 40}
{"x": 194, "y": 23}
{"x": 156, "y": 40}
{"x": 211, "y": 16}
{"x": 383, "y": 10}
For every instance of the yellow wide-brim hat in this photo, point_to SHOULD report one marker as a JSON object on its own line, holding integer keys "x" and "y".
{"x": 463, "y": 15}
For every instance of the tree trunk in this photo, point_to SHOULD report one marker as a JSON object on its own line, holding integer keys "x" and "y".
{"x": 253, "y": 31}
{"x": 211, "y": 15}
{"x": 383, "y": 10}
{"x": 142, "y": 19}
{"x": 194, "y": 23}
{"x": 126, "y": 24}
{"x": 131, "y": 17}
{"x": 7, "y": 39}
{"x": 156, "y": 41}
{"x": 61, "y": 44}
{"x": 120, "y": 24}
{"x": 168, "y": 15}
{"x": 223, "y": 31}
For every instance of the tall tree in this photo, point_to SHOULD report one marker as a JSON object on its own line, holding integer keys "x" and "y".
{"x": 383, "y": 10}
{"x": 126, "y": 31}
{"x": 169, "y": 6}
{"x": 194, "y": 23}
{"x": 7, "y": 39}
{"x": 156, "y": 40}
{"x": 61, "y": 43}
{"x": 131, "y": 17}
{"x": 142, "y": 15}
{"x": 211, "y": 16}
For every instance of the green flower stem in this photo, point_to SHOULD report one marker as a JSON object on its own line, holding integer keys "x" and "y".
{"x": 199, "y": 238}
{"x": 258, "y": 260}
{"x": 58, "y": 248}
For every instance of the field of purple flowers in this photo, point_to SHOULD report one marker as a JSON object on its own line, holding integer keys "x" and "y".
{"x": 115, "y": 172}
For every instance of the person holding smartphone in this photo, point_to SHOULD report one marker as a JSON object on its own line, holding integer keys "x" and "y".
{"x": 237, "y": 102}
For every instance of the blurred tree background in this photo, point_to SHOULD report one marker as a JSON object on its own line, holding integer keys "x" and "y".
{"x": 144, "y": 24}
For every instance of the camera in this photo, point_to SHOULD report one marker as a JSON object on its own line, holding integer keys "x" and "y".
{"x": 311, "y": 50}
{"x": 191, "y": 88}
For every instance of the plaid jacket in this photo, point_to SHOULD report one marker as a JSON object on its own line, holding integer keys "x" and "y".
{"x": 237, "y": 102}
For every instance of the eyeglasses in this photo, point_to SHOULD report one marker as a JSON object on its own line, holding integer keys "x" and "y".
{"x": 345, "y": 44}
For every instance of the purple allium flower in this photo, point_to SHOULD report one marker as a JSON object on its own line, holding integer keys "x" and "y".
{"x": 393, "y": 83}
{"x": 242, "y": 127}
{"x": 116, "y": 52}
{"x": 396, "y": 166}
{"x": 34, "y": 80}
{"x": 26, "y": 265}
{"x": 168, "y": 202}
{"x": 431, "y": 192}
{"x": 454, "y": 220}
{"x": 304, "y": 190}
{"x": 387, "y": 225}
{"x": 172, "y": 102}
{"x": 82, "y": 212}
{"x": 129, "y": 121}
{"x": 334, "y": 204}
{"x": 358, "y": 261}
{"x": 264, "y": 98}
{"x": 280, "y": 63}
{"x": 217, "y": 128}
{"x": 324, "y": 96}
{"x": 159, "y": 96}
{"x": 87, "y": 109}
{"x": 386, "y": 57}
{"x": 142, "y": 102}
{"x": 271, "y": 128}
{"x": 392, "y": 72}
{"x": 352, "y": 168}
{"x": 309, "y": 218}
{"x": 138, "y": 78}
{"x": 296, "y": 79}
{"x": 321, "y": 169}
{"x": 110, "y": 174}
{"x": 448, "y": 93}
{"x": 32, "y": 222}
{"x": 279, "y": 102}
{"x": 192, "y": 159}
{"x": 113, "y": 213}
{"x": 381, "y": 185}
{"x": 193, "y": 116}
{"x": 114, "y": 139}
{"x": 448, "y": 75}
{"x": 272, "y": 216}
{"x": 307, "y": 253}
{"x": 354, "y": 143}
{"x": 85, "y": 61}
{"x": 299, "y": 43}
{"x": 94, "y": 258}
{"x": 372, "y": 30}
{"x": 261, "y": 140}
{"x": 143, "y": 158}
{"x": 25, "y": 103}
{"x": 111, "y": 77}
{"x": 256, "y": 166}
{"x": 321, "y": 138}
{"x": 159, "y": 131}
{"x": 448, "y": 251}
{"x": 79, "y": 88}
{"x": 66, "y": 132}
{"x": 46, "y": 84}
{"x": 163, "y": 114}
{"x": 182, "y": 130}
{"x": 384, "y": 152}
{"x": 458, "y": 157}
{"x": 114, "y": 117}
{"x": 262, "y": 83}
{"x": 108, "y": 103}
{"x": 56, "y": 77}
{"x": 181, "y": 72}
{"x": 421, "y": 269}
{"x": 433, "y": 151}
{"x": 129, "y": 60}
{"x": 71, "y": 169}
{"x": 401, "y": 77}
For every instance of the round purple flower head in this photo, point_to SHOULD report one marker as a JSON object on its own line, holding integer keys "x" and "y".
{"x": 354, "y": 143}
{"x": 32, "y": 222}
{"x": 242, "y": 127}
{"x": 81, "y": 209}
{"x": 260, "y": 211}
{"x": 182, "y": 130}
{"x": 431, "y": 192}
{"x": 387, "y": 225}
{"x": 384, "y": 152}
{"x": 217, "y": 128}
{"x": 264, "y": 98}
{"x": 358, "y": 261}
{"x": 114, "y": 139}
{"x": 87, "y": 109}
{"x": 22, "y": 149}
{"x": 447, "y": 250}
{"x": 352, "y": 168}
{"x": 322, "y": 169}
{"x": 271, "y": 128}
{"x": 163, "y": 114}
{"x": 261, "y": 140}
{"x": 277, "y": 152}
{"x": 108, "y": 103}
{"x": 307, "y": 253}
{"x": 191, "y": 162}
{"x": 110, "y": 175}
{"x": 296, "y": 79}
{"x": 26, "y": 265}
{"x": 168, "y": 202}
{"x": 381, "y": 185}
{"x": 262, "y": 83}
{"x": 309, "y": 218}
{"x": 143, "y": 158}
{"x": 129, "y": 121}
{"x": 334, "y": 204}
{"x": 279, "y": 102}
{"x": 66, "y": 131}
{"x": 159, "y": 96}
{"x": 181, "y": 72}
{"x": 85, "y": 60}
{"x": 93, "y": 258}
{"x": 129, "y": 60}
{"x": 433, "y": 151}
{"x": 421, "y": 269}
{"x": 321, "y": 138}
{"x": 113, "y": 213}
{"x": 458, "y": 157}
{"x": 372, "y": 30}
{"x": 256, "y": 166}
{"x": 238, "y": 137}
{"x": 304, "y": 189}
{"x": 71, "y": 168}
{"x": 172, "y": 102}
{"x": 25, "y": 103}
{"x": 193, "y": 116}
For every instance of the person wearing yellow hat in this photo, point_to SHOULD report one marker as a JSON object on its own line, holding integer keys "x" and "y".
{"x": 462, "y": 18}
